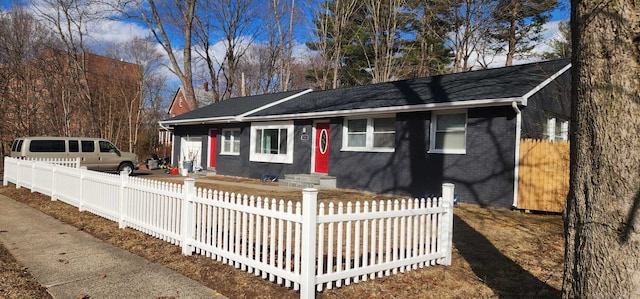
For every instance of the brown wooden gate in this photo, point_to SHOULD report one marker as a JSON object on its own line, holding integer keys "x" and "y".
{"x": 543, "y": 175}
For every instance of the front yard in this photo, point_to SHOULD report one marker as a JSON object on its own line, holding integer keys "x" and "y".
{"x": 497, "y": 253}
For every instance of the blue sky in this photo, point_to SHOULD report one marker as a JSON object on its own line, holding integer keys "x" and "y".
{"x": 109, "y": 32}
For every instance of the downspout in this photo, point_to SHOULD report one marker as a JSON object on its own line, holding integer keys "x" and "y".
{"x": 517, "y": 154}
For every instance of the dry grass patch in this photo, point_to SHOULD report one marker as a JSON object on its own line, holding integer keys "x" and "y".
{"x": 497, "y": 253}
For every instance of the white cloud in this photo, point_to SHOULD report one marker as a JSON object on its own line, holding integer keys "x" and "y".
{"x": 110, "y": 31}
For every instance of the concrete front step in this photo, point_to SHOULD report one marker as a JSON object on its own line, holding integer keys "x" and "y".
{"x": 318, "y": 181}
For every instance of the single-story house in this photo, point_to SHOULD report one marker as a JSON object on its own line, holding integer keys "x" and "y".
{"x": 405, "y": 137}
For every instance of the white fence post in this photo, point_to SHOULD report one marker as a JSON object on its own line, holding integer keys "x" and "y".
{"x": 123, "y": 199}
{"x": 308, "y": 258}
{"x": 5, "y": 180}
{"x": 446, "y": 236}
{"x": 53, "y": 182}
{"x": 80, "y": 200}
{"x": 188, "y": 214}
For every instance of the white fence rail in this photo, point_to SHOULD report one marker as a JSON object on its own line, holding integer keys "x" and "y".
{"x": 297, "y": 244}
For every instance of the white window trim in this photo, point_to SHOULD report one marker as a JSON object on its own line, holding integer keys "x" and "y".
{"x": 272, "y": 158}
{"x": 551, "y": 133}
{"x": 369, "y": 136}
{"x": 432, "y": 137}
{"x": 223, "y": 139}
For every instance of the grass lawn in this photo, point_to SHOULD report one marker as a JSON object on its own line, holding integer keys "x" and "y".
{"x": 497, "y": 253}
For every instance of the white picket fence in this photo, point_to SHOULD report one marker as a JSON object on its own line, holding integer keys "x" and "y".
{"x": 296, "y": 244}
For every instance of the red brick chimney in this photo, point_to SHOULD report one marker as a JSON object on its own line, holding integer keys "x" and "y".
{"x": 205, "y": 86}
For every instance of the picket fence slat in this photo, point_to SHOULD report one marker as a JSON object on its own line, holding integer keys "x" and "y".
{"x": 303, "y": 245}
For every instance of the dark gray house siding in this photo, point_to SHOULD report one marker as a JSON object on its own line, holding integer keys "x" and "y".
{"x": 483, "y": 172}
{"x": 550, "y": 102}
{"x": 483, "y": 175}
{"x": 240, "y": 165}
{"x": 192, "y": 131}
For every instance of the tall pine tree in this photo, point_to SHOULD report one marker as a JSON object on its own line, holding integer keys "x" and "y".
{"x": 518, "y": 25}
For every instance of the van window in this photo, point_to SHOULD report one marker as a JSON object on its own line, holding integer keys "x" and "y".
{"x": 88, "y": 146}
{"x": 106, "y": 147}
{"x": 73, "y": 146}
{"x": 47, "y": 146}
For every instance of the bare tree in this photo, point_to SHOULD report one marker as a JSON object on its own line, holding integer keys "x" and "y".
{"x": 602, "y": 244}
{"x": 25, "y": 100}
{"x": 69, "y": 20}
{"x": 234, "y": 23}
{"x": 169, "y": 20}
{"x": 283, "y": 45}
{"x": 385, "y": 21}
{"x": 143, "y": 111}
{"x": 470, "y": 22}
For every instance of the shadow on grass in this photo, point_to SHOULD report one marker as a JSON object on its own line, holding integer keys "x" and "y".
{"x": 506, "y": 278}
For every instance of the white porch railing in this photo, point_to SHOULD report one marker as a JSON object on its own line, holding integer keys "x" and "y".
{"x": 296, "y": 244}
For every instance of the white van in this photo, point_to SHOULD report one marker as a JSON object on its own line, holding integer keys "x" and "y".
{"x": 95, "y": 153}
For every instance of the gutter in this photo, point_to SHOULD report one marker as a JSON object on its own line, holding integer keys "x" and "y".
{"x": 514, "y": 105}
{"x": 391, "y": 109}
{"x": 163, "y": 127}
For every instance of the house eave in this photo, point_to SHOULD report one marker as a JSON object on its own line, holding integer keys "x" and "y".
{"x": 544, "y": 83}
{"x": 393, "y": 109}
{"x": 198, "y": 121}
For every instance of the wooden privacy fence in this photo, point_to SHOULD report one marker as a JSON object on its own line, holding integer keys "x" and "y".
{"x": 543, "y": 175}
{"x": 297, "y": 244}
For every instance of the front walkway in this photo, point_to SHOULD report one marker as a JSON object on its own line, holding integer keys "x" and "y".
{"x": 73, "y": 264}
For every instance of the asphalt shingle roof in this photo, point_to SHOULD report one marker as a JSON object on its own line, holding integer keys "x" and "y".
{"x": 490, "y": 84}
{"x": 234, "y": 106}
{"x": 497, "y": 83}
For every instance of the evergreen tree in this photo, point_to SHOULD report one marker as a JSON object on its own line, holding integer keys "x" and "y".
{"x": 518, "y": 25}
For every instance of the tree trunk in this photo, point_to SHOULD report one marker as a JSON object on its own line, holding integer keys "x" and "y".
{"x": 602, "y": 254}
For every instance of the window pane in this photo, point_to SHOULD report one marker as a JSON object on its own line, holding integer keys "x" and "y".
{"x": 270, "y": 141}
{"x": 73, "y": 146}
{"x": 226, "y": 146}
{"x": 447, "y": 122}
{"x": 384, "y": 125}
{"x": 40, "y": 146}
{"x": 236, "y": 146}
{"x": 88, "y": 146}
{"x": 106, "y": 147}
{"x": 384, "y": 139}
{"x": 283, "y": 141}
{"x": 357, "y": 125}
{"x": 357, "y": 140}
{"x": 450, "y": 140}
{"x": 259, "y": 141}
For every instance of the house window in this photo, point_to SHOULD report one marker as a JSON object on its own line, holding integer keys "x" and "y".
{"x": 556, "y": 129}
{"x": 448, "y": 133}
{"x": 370, "y": 134}
{"x": 230, "y": 142}
{"x": 272, "y": 142}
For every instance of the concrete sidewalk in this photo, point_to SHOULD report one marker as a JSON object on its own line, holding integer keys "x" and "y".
{"x": 71, "y": 263}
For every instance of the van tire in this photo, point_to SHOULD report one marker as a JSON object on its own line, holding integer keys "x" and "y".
{"x": 126, "y": 166}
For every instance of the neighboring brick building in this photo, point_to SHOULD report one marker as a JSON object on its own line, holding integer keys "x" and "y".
{"x": 56, "y": 95}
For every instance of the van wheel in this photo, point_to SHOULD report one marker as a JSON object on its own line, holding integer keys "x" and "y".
{"x": 127, "y": 167}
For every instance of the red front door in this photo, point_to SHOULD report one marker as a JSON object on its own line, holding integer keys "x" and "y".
{"x": 213, "y": 147}
{"x": 322, "y": 148}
